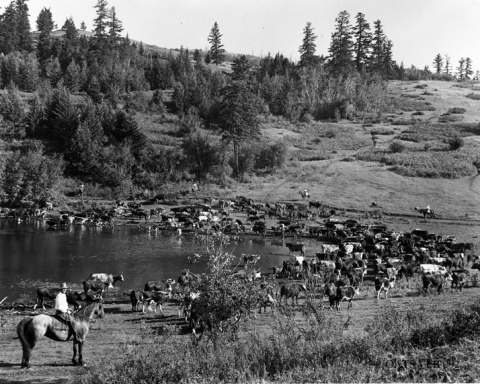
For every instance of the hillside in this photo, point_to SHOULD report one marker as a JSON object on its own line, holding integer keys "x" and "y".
{"x": 355, "y": 184}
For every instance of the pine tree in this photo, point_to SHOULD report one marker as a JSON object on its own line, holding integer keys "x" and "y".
{"x": 115, "y": 26}
{"x": 461, "y": 68}
{"x": 468, "y": 68}
{"x": 341, "y": 46}
{"x": 307, "y": 49}
{"x": 44, "y": 28}
{"x": 240, "y": 69}
{"x": 69, "y": 44}
{"x": 9, "y": 37}
{"x": 29, "y": 73}
{"x": 25, "y": 42}
{"x": 238, "y": 119}
{"x": 53, "y": 71}
{"x": 197, "y": 56}
{"x": 378, "y": 43}
{"x": 71, "y": 78}
{"x": 100, "y": 23}
{"x": 448, "y": 68}
{"x": 363, "y": 41}
{"x": 83, "y": 26}
{"x": 388, "y": 62}
{"x": 438, "y": 63}
{"x": 217, "y": 53}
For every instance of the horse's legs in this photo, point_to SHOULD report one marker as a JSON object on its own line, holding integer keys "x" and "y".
{"x": 80, "y": 353}
{"x": 74, "y": 358}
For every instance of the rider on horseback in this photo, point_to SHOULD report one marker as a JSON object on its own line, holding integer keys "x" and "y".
{"x": 62, "y": 310}
{"x": 428, "y": 210}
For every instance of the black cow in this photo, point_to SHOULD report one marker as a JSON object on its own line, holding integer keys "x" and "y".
{"x": 296, "y": 248}
{"x": 459, "y": 279}
{"x": 435, "y": 281}
{"x": 337, "y": 294}
{"x": 164, "y": 285}
{"x": 406, "y": 270}
{"x": 291, "y": 290}
{"x": 136, "y": 298}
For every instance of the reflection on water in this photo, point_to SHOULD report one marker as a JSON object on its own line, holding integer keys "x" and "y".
{"x": 32, "y": 255}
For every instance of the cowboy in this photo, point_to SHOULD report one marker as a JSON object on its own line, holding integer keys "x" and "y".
{"x": 62, "y": 311}
{"x": 428, "y": 209}
{"x": 195, "y": 188}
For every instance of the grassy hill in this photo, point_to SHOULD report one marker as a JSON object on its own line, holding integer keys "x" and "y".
{"x": 340, "y": 179}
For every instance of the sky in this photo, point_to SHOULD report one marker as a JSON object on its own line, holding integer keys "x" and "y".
{"x": 419, "y": 29}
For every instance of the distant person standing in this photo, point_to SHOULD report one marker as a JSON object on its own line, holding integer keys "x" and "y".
{"x": 195, "y": 188}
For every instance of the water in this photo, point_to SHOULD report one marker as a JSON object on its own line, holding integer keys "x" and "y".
{"x": 32, "y": 256}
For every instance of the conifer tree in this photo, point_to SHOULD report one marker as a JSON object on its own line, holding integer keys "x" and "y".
{"x": 341, "y": 46}
{"x": 8, "y": 30}
{"x": 217, "y": 53}
{"x": 378, "y": 43}
{"x": 100, "y": 23}
{"x": 438, "y": 63}
{"x": 53, "y": 71}
{"x": 468, "y": 68}
{"x": 29, "y": 73}
{"x": 44, "y": 28}
{"x": 115, "y": 26}
{"x": 387, "y": 64}
{"x": 25, "y": 42}
{"x": 363, "y": 41}
{"x": 461, "y": 68}
{"x": 447, "y": 68}
{"x": 72, "y": 77}
{"x": 83, "y": 26}
{"x": 238, "y": 112}
{"x": 307, "y": 49}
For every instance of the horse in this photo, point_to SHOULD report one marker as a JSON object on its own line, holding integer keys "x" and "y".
{"x": 304, "y": 194}
{"x": 31, "y": 329}
{"x": 425, "y": 212}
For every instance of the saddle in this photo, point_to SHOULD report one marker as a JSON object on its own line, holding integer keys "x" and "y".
{"x": 66, "y": 321}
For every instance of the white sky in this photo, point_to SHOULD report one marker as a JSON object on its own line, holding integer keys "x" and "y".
{"x": 419, "y": 29}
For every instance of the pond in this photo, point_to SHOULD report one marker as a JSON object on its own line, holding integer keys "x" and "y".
{"x": 32, "y": 255}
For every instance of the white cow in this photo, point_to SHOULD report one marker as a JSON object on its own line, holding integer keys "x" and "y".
{"x": 432, "y": 268}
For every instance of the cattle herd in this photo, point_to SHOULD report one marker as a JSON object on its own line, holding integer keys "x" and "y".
{"x": 345, "y": 251}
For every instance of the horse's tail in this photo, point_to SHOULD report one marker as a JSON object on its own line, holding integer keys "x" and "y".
{"x": 27, "y": 342}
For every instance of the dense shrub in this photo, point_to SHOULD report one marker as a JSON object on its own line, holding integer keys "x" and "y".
{"x": 447, "y": 118}
{"x": 455, "y": 143}
{"x": 474, "y": 96}
{"x": 418, "y": 113}
{"x": 457, "y": 110}
{"x": 396, "y": 146}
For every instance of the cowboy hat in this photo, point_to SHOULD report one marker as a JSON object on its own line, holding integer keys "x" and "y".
{"x": 64, "y": 286}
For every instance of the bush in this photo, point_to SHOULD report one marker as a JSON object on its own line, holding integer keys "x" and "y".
{"x": 457, "y": 110}
{"x": 474, "y": 96}
{"x": 418, "y": 113}
{"x": 421, "y": 86}
{"x": 447, "y": 118}
{"x": 455, "y": 143}
{"x": 396, "y": 147}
